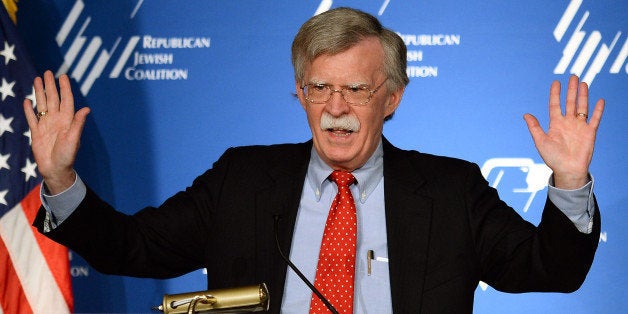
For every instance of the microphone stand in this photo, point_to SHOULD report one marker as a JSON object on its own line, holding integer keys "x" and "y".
{"x": 296, "y": 270}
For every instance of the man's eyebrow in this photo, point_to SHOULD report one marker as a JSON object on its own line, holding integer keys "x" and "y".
{"x": 356, "y": 84}
{"x": 317, "y": 82}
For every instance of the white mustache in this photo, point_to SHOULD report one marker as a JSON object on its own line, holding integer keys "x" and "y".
{"x": 344, "y": 122}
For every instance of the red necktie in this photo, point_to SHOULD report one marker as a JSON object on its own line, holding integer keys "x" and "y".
{"x": 336, "y": 263}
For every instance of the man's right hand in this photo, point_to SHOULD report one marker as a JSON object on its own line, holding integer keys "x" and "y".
{"x": 55, "y": 131}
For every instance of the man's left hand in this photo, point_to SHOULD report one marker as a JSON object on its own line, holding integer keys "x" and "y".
{"x": 567, "y": 147}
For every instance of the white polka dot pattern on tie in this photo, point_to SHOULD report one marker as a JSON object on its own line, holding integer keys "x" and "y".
{"x": 336, "y": 263}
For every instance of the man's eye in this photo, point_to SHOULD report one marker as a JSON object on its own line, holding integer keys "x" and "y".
{"x": 318, "y": 87}
{"x": 355, "y": 89}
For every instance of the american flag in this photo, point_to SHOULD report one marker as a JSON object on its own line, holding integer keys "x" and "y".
{"x": 34, "y": 271}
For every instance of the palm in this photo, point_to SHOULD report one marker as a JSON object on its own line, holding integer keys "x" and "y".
{"x": 55, "y": 135}
{"x": 567, "y": 147}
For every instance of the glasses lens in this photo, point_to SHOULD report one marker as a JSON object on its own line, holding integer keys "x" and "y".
{"x": 317, "y": 93}
{"x": 356, "y": 95}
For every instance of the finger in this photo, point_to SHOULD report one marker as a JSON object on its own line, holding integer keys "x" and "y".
{"x": 534, "y": 127}
{"x": 583, "y": 100}
{"x": 52, "y": 97}
{"x": 78, "y": 123}
{"x": 554, "y": 101}
{"x": 67, "y": 100}
{"x": 31, "y": 118}
{"x": 597, "y": 114}
{"x": 40, "y": 94}
{"x": 572, "y": 93}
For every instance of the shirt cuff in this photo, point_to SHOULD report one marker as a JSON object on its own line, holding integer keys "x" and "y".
{"x": 577, "y": 204}
{"x": 60, "y": 206}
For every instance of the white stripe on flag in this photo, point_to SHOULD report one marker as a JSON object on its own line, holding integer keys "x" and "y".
{"x": 39, "y": 285}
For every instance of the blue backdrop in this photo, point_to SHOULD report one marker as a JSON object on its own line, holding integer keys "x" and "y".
{"x": 172, "y": 84}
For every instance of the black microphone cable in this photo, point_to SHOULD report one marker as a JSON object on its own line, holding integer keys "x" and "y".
{"x": 297, "y": 271}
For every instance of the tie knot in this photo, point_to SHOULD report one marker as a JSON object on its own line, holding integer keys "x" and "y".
{"x": 342, "y": 178}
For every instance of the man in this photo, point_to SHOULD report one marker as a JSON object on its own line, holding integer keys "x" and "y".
{"x": 431, "y": 226}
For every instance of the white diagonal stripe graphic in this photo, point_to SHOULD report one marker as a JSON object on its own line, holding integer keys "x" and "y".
{"x": 586, "y": 53}
{"x": 62, "y": 35}
{"x": 571, "y": 47}
{"x": 623, "y": 55}
{"x": 383, "y": 8}
{"x": 323, "y": 6}
{"x": 599, "y": 61}
{"x": 137, "y": 8}
{"x": 566, "y": 19}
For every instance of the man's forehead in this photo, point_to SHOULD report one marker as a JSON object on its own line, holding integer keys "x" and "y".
{"x": 350, "y": 82}
{"x": 348, "y": 76}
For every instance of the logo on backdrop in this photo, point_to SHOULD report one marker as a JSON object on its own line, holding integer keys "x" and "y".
{"x": 415, "y": 44}
{"x": 529, "y": 177}
{"x": 144, "y": 57}
{"x": 587, "y": 50}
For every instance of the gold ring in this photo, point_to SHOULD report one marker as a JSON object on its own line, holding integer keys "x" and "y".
{"x": 42, "y": 114}
{"x": 582, "y": 114}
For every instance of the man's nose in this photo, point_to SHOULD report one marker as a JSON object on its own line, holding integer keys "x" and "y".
{"x": 337, "y": 105}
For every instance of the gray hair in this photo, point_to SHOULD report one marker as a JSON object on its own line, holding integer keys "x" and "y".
{"x": 338, "y": 30}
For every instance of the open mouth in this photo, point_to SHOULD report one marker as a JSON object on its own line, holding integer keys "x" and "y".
{"x": 339, "y": 132}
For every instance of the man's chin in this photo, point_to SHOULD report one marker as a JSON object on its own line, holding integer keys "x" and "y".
{"x": 340, "y": 159}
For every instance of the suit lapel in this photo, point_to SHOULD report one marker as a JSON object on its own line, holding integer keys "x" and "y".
{"x": 408, "y": 222}
{"x": 279, "y": 198}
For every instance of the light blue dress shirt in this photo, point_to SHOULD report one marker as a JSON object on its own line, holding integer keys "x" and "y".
{"x": 372, "y": 292}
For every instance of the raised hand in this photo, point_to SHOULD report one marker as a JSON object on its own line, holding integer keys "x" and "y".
{"x": 55, "y": 131}
{"x": 567, "y": 147}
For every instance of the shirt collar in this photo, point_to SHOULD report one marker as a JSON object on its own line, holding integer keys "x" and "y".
{"x": 367, "y": 176}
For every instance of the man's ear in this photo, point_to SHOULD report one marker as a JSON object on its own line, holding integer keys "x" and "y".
{"x": 299, "y": 93}
{"x": 394, "y": 101}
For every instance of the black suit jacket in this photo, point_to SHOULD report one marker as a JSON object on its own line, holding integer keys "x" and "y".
{"x": 447, "y": 229}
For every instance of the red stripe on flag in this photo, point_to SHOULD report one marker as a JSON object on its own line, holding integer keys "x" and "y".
{"x": 12, "y": 297}
{"x": 56, "y": 255}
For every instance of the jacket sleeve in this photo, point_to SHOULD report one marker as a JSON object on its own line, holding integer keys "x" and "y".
{"x": 516, "y": 256}
{"x": 157, "y": 242}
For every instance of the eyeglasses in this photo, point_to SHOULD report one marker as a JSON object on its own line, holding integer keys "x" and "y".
{"x": 355, "y": 95}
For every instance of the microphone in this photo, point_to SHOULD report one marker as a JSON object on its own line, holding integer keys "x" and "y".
{"x": 231, "y": 300}
{"x": 297, "y": 271}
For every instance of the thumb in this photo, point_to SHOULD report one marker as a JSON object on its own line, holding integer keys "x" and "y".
{"x": 534, "y": 127}
{"x": 79, "y": 122}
